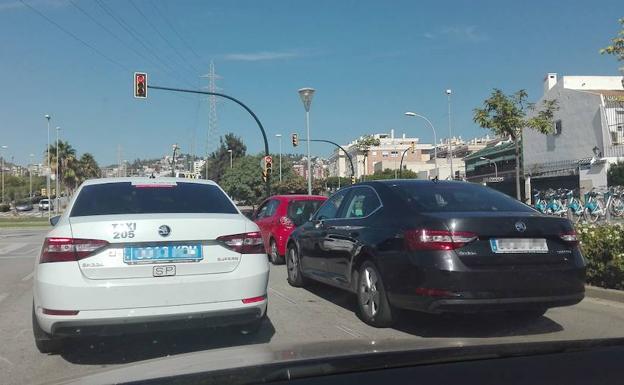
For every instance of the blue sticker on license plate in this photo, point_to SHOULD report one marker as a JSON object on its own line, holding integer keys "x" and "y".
{"x": 160, "y": 254}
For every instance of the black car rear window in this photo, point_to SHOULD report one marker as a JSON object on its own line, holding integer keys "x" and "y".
{"x": 456, "y": 197}
{"x": 299, "y": 211}
{"x": 125, "y": 198}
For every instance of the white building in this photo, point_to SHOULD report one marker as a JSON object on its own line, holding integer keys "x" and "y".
{"x": 198, "y": 165}
{"x": 588, "y": 133}
{"x": 392, "y": 148}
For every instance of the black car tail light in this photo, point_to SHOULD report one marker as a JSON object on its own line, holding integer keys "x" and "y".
{"x": 570, "y": 237}
{"x": 424, "y": 239}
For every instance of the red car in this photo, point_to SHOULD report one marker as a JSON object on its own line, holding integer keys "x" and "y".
{"x": 278, "y": 216}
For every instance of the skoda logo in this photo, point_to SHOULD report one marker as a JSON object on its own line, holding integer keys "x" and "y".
{"x": 520, "y": 226}
{"x": 164, "y": 231}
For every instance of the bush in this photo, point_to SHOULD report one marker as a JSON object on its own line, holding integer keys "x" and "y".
{"x": 603, "y": 247}
{"x": 4, "y": 207}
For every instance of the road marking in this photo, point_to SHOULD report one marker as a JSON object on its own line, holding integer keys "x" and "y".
{"x": 29, "y": 276}
{"x": 3, "y": 296}
{"x": 349, "y": 331}
{"x": 282, "y": 296}
{"x": 12, "y": 247}
{"x": 17, "y": 256}
{"x": 605, "y": 302}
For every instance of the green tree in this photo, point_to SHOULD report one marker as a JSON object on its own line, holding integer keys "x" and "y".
{"x": 615, "y": 175}
{"x": 506, "y": 116}
{"x": 88, "y": 168}
{"x": 219, "y": 161}
{"x": 67, "y": 163}
{"x": 390, "y": 174}
{"x": 244, "y": 182}
{"x": 616, "y": 48}
{"x": 332, "y": 182}
{"x": 364, "y": 144}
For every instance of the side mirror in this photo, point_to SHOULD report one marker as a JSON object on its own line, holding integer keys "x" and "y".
{"x": 54, "y": 220}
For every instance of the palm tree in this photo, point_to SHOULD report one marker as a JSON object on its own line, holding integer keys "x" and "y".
{"x": 67, "y": 163}
{"x": 88, "y": 168}
{"x": 364, "y": 144}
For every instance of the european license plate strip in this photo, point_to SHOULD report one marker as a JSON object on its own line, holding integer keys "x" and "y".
{"x": 519, "y": 245}
{"x": 162, "y": 254}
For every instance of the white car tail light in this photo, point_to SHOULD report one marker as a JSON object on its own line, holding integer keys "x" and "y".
{"x": 245, "y": 243}
{"x": 423, "y": 239}
{"x": 69, "y": 249}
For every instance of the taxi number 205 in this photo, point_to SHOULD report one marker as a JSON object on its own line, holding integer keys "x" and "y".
{"x": 124, "y": 230}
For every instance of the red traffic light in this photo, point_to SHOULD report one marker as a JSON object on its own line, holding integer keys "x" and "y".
{"x": 140, "y": 85}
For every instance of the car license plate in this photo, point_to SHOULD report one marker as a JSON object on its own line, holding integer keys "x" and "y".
{"x": 163, "y": 254}
{"x": 519, "y": 245}
{"x": 164, "y": 270}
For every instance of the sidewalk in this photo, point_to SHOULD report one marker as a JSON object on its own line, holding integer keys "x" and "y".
{"x": 606, "y": 294}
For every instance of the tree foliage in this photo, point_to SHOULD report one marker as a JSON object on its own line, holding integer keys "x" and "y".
{"x": 364, "y": 144}
{"x": 506, "y": 116}
{"x": 615, "y": 175}
{"x": 219, "y": 161}
{"x": 390, "y": 174}
{"x": 616, "y": 48}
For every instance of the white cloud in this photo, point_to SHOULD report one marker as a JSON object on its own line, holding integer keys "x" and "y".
{"x": 429, "y": 35}
{"x": 465, "y": 33}
{"x": 262, "y": 55}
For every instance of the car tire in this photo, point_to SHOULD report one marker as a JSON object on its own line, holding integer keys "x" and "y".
{"x": 293, "y": 267}
{"x": 373, "y": 305}
{"x": 45, "y": 343}
{"x": 276, "y": 259}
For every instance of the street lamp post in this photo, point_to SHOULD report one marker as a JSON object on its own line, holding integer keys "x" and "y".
{"x": 49, "y": 169}
{"x": 279, "y": 137}
{"x": 435, "y": 139}
{"x": 306, "y": 95}
{"x": 56, "y": 207}
{"x": 30, "y": 174}
{"x": 231, "y": 158}
{"x": 491, "y": 162}
{"x": 448, "y": 94}
{"x": 3, "y": 148}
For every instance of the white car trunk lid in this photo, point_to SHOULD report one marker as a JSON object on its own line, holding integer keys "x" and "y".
{"x": 140, "y": 244}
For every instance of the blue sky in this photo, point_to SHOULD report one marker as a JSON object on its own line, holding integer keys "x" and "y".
{"x": 370, "y": 61}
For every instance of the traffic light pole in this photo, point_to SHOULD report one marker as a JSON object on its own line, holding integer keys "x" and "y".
{"x": 340, "y": 147}
{"x": 401, "y": 166}
{"x": 266, "y": 142}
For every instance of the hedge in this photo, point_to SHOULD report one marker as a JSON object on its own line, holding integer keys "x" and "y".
{"x": 4, "y": 207}
{"x": 603, "y": 248}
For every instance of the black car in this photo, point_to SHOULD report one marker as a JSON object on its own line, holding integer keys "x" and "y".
{"x": 437, "y": 247}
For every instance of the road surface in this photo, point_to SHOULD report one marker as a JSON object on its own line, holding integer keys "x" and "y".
{"x": 295, "y": 316}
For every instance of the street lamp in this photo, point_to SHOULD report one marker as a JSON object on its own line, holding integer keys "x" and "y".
{"x": 495, "y": 166}
{"x": 306, "y": 95}
{"x": 279, "y": 137}
{"x": 231, "y": 158}
{"x": 448, "y": 94}
{"x": 49, "y": 169}
{"x": 3, "y": 148}
{"x": 435, "y": 139}
{"x": 56, "y": 207}
{"x": 30, "y": 174}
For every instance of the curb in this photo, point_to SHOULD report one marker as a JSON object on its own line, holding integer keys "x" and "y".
{"x": 607, "y": 294}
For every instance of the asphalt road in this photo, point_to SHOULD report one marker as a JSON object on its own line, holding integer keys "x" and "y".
{"x": 295, "y": 316}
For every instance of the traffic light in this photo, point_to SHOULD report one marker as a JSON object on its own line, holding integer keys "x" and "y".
{"x": 268, "y": 164}
{"x": 413, "y": 147}
{"x": 140, "y": 85}
{"x": 295, "y": 140}
{"x": 352, "y": 179}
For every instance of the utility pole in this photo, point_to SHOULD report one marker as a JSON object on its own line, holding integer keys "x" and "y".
{"x": 30, "y": 174}
{"x": 279, "y": 137}
{"x": 211, "y": 135}
{"x": 56, "y": 208}
{"x": 49, "y": 170}
{"x": 119, "y": 160}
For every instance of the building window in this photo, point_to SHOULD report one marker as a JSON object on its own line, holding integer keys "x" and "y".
{"x": 384, "y": 154}
{"x": 374, "y": 153}
{"x": 558, "y": 127}
{"x": 394, "y": 154}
